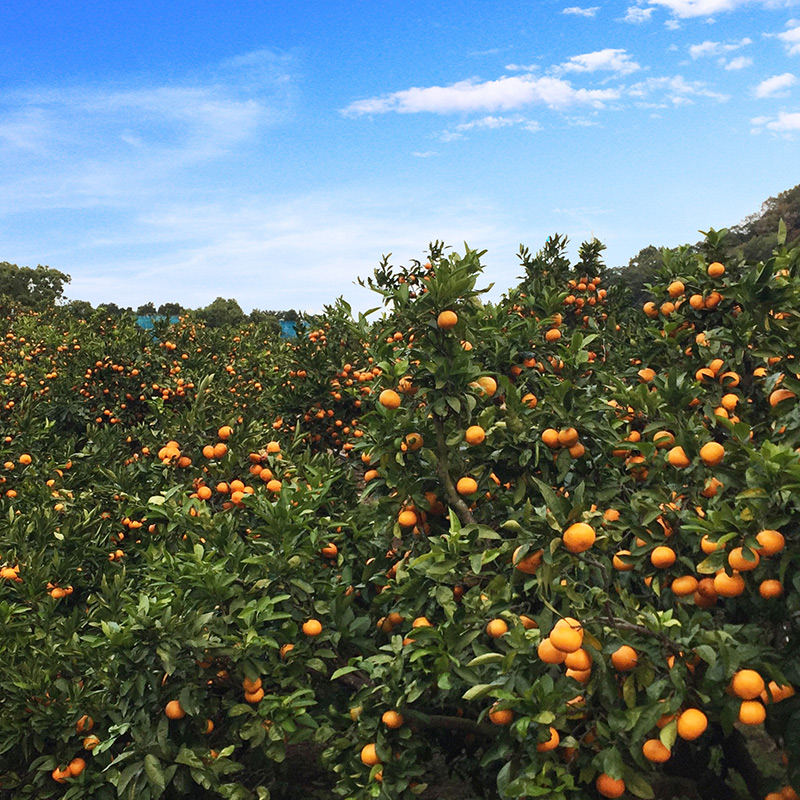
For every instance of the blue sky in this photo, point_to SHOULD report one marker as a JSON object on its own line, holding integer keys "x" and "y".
{"x": 272, "y": 151}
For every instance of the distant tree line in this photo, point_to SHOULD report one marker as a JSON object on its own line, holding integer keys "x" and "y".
{"x": 753, "y": 239}
{"x": 43, "y": 287}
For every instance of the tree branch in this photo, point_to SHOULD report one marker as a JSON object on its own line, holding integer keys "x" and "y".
{"x": 450, "y": 723}
{"x": 443, "y": 471}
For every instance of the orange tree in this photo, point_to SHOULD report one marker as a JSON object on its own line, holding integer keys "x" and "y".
{"x": 547, "y": 541}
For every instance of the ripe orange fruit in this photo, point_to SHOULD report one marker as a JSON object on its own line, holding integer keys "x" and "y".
{"x": 220, "y": 449}
{"x": 414, "y": 441}
{"x": 174, "y": 710}
{"x": 619, "y": 564}
{"x": 285, "y": 650}
{"x": 646, "y": 374}
{"x": 501, "y": 716}
{"x": 684, "y": 586}
{"x": 712, "y": 453}
{"x": 579, "y": 537}
{"x": 487, "y": 384}
{"x": 312, "y": 627}
{"x": 678, "y": 458}
{"x": 369, "y": 755}
{"x": 407, "y": 518}
{"x": 551, "y": 743}
{"x": 447, "y": 320}
{"x": 530, "y": 400}
{"x": 389, "y": 398}
{"x": 528, "y": 622}
{"x": 60, "y": 775}
{"x": 225, "y": 432}
{"x": 254, "y": 697}
{"x": 608, "y": 786}
{"x": 90, "y": 742}
{"x": 770, "y": 589}
{"x": 530, "y": 563}
{"x": 251, "y": 685}
{"x": 330, "y": 550}
{"x": 475, "y": 435}
{"x": 655, "y": 751}
{"x": 466, "y": 486}
{"x": 76, "y": 766}
{"x": 579, "y": 660}
{"x": 567, "y": 635}
{"x": 392, "y": 719}
{"x": 715, "y": 270}
{"x": 743, "y": 560}
{"x": 771, "y": 542}
{"x": 496, "y": 628}
{"x": 752, "y": 712}
{"x": 779, "y": 395}
{"x": 728, "y": 585}
{"x": 550, "y": 654}
{"x": 676, "y": 289}
{"x": 567, "y": 437}
{"x": 747, "y": 684}
{"x": 663, "y": 557}
{"x": 625, "y": 658}
{"x": 550, "y": 438}
{"x": 84, "y": 724}
{"x": 691, "y": 724}
{"x": 552, "y": 335}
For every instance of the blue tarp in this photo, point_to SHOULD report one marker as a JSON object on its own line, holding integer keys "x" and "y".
{"x": 147, "y": 321}
{"x": 288, "y": 330}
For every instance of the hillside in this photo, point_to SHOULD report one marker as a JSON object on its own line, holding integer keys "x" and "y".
{"x": 752, "y": 239}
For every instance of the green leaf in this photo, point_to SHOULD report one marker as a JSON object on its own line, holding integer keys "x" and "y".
{"x": 155, "y": 775}
{"x": 637, "y": 785}
{"x": 479, "y": 690}
{"x": 343, "y": 671}
{"x": 486, "y": 658}
{"x": 669, "y": 733}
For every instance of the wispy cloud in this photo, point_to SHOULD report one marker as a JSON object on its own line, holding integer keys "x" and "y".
{"x": 709, "y": 48}
{"x": 688, "y": 9}
{"x": 637, "y": 15}
{"x": 489, "y": 123}
{"x": 740, "y": 62}
{"x": 676, "y": 90}
{"x": 581, "y": 12}
{"x": 90, "y": 145}
{"x": 602, "y": 60}
{"x": 785, "y": 124}
{"x": 503, "y": 94}
{"x": 791, "y": 37}
{"x": 776, "y": 86}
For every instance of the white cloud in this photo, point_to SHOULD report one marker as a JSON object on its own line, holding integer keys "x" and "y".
{"x": 521, "y": 67}
{"x": 424, "y": 154}
{"x": 687, "y": 9}
{"x": 608, "y": 59}
{"x": 581, "y": 12}
{"x": 791, "y": 37}
{"x": 488, "y": 123}
{"x": 716, "y": 48}
{"x": 503, "y": 94}
{"x": 677, "y": 90}
{"x": 196, "y": 252}
{"x": 740, "y": 62}
{"x": 775, "y": 86}
{"x": 637, "y": 14}
{"x": 784, "y": 124}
